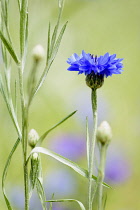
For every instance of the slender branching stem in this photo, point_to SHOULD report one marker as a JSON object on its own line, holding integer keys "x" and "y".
{"x": 92, "y": 146}
{"x": 101, "y": 175}
{"x": 26, "y": 177}
{"x": 24, "y": 137}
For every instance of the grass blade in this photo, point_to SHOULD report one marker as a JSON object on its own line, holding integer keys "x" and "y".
{"x": 57, "y": 44}
{"x": 87, "y": 141}
{"x": 51, "y": 205}
{"x": 63, "y": 160}
{"x": 9, "y": 47}
{"x": 105, "y": 201}
{"x": 48, "y": 43}
{"x": 69, "y": 200}
{"x": 52, "y": 49}
{"x": 19, "y": 4}
{"x": 54, "y": 36}
{"x": 10, "y": 108}
{"x": 41, "y": 194}
{"x": 48, "y": 131}
{"x": 23, "y": 25}
{"x": 50, "y": 58}
{"x": 5, "y": 173}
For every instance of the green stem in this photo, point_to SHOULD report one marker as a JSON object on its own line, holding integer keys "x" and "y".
{"x": 23, "y": 39}
{"x": 92, "y": 146}
{"x": 25, "y": 144}
{"x": 101, "y": 175}
{"x": 24, "y": 137}
{"x": 23, "y": 21}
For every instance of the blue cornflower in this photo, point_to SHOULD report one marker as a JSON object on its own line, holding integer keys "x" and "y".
{"x": 104, "y": 66}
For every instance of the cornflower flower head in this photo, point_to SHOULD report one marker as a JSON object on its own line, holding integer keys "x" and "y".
{"x": 95, "y": 68}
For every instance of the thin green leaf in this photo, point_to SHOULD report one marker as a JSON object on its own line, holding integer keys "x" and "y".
{"x": 105, "y": 201}
{"x": 42, "y": 79}
{"x": 50, "y": 208}
{"x": 48, "y": 131}
{"x": 63, "y": 160}
{"x": 4, "y": 55}
{"x": 52, "y": 51}
{"x": 10, "y": 107}
{"x": 4, "y": 13}
{"x": 57, "y": 44}
{"x": 48, "y": 43}
{"x": 9, "y": 47}
{"x": 41, "y": 194}
{"x": 50, "y": 57}
{"x": 51, "y": 205}
{"x": 26, "y": 35}
{"x": 53, "y": 40}
{"x": 5, "y": 18}
{"x": 87, "y": 141}
{"x": 54, "y": 35}
{"x": 19, "y": 4}
{"x": 16, "y": 97}
{"x": 5, "y": 173}
{"x": 95, "y": 189}
{"x": 23, "y": 25}
{"x": 69, "y": 200}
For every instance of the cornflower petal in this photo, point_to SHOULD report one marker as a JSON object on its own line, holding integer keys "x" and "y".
{"x": 104, "y": 65}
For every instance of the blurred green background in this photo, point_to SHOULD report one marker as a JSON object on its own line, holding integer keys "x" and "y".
{"x": 97, "y": 27}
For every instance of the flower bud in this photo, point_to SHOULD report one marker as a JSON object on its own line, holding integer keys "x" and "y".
{"x": 38, "y": 52}
{"x": 94, "y": 81}
{"x": 35, "y": 156}
{"x": 33, "y": 138}
{"x": 104, "y": 133}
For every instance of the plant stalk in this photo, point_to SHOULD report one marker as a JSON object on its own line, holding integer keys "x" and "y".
{"x": 26, "y": 176}
{"x": 101, "y": 175}
{"x": 24, "y": 137}
{"x": 92, "y": 146}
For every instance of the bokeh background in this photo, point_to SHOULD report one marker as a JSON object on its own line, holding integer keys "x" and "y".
{"x": 97, "y": 27}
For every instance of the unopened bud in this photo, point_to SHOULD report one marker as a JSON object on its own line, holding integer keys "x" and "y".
{"x": 35, "y": 156}
{"x": 33, "y": 138}
{"x": 104, "y": 133}
{"x": 38, "y": 52}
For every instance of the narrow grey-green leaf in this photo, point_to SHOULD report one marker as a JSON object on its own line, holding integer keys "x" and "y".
{"x": 19, "y": 4}
{"x": 48, "y": 131}
{"x": 9, "y": 47}
{"x": 5, "y": 173}
{"x": 69, "y": 200}
{"x": 53, "y": 40}
{"x": 23, "y": 25}
{"x": 16, "y": 97}
{"x": 9, "y": 107}
{"x": 87, "y": 141}
{"x": 54, "y": 36}
{"x": 63, "y": 160}
{"x": 41, "y": 194}
{"x": 50, "y": 58}
{"x": 104, "y": 201}
{"x": 57, "y": 44}
{"x": 48, "y": 43}
{"x": 42, "y": 79}
{"x": 51, "y": 205}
